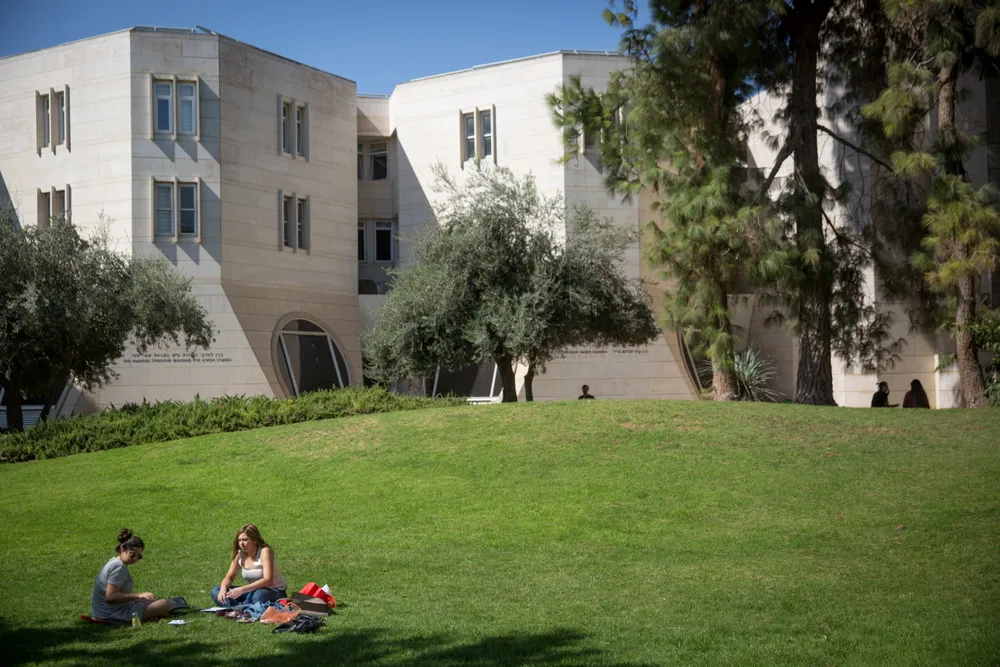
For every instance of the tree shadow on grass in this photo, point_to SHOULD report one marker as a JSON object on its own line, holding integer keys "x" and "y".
{"x": 85, "y": 645}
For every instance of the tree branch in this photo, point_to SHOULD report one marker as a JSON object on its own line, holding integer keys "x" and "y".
{"x": 860, "y": 150}
{"x": 783, "y": 154}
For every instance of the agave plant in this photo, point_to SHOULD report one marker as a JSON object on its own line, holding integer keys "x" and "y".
{"x": 754, "y": 373}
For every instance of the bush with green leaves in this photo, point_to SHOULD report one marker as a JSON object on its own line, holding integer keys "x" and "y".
{"x": 754, "y": 375}
{"x": 137, "y": 424}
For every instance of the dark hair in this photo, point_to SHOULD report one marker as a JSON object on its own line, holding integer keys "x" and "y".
{"x": 585, "y": 387}
{"x": 883, "y": 384}
{"x": 253, "y": 533}
{"x": 129, "y": 540}
{"x": 920, "y": 399}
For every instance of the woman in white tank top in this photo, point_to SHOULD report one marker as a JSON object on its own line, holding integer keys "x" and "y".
{"x": 254, "y": 559}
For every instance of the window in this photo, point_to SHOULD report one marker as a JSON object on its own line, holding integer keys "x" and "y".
{"x": 61, "y": 117}
{"x": 176, "y": 206}
{"x": 59, "y": 204}
{"x": 378, "y": 154}
{"x": 311, "y": 359}
{"x": 486, "y": 128}
{"x": 188, "y": 208}
{"x": 361, "y": 161}
{"x": 300, "y": 123}
{"x": 361, "y": 241}
{"x": 286, "y": 140}
{"x": 164, "y": 209}
{"x": 300, "y": 221}
{"x": 44, "y": 208}
{"x": 46, "y": 120}
{"x": 186, "y": 97}
{"x": 287, "y": 212}
{"x": 164, "y": 109}
{"x": 383, "y": 242}
{"x": 469, "y": 122}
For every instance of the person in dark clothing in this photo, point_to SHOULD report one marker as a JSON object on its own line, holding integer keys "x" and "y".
{"x": 880, "y": 399}
{"x": 916, "y": 397}
{"x": 586, "y": 393}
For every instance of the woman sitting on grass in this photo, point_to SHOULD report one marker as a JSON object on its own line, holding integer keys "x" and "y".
{"x": 113, "y": 599}
{"x": 255, "y": 558}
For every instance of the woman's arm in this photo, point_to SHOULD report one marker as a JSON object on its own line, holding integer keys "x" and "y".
{"x": 227, "y": 580}
{"x": 267, "y": 564}
{"x": 113, "y": 595}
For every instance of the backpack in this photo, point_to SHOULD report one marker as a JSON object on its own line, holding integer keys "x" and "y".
{"x": 301, "y": 623}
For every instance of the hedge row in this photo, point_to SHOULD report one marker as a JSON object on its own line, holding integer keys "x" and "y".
{"x": 137, "y": 424}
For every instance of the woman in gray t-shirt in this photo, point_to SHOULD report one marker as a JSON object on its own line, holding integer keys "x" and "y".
{"x": 113, "y": 599}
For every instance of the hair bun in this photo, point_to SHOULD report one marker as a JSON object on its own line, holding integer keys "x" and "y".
{"x": 124, "y": 535}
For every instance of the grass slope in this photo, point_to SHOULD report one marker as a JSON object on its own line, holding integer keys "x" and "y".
{"x": 592, "y": 533}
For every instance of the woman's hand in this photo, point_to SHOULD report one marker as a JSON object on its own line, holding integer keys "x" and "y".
{"x": 146, "y": 596}
{"x": 234, "y": 593}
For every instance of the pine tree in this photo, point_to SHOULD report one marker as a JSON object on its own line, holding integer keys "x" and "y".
{"x": 962, "y": 225}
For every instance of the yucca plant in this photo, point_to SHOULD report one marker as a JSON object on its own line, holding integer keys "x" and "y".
{"x": 754, "y": 373}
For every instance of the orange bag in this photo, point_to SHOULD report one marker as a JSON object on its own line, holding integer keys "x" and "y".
{"x": 277, "y": 616}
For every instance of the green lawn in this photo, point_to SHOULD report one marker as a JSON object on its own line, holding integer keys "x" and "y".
{"x": 592, "y": 533}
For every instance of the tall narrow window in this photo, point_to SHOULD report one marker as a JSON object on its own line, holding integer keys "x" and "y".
{"x": 44, "y": 209}
{"x": 300, "y": 223}
{"x": 361, "y": 241}
{"x": 188, "y": 208}
{"x": 286, "y": 219}
{"x": 46, "y": 119}
{"x": 186, "y": 94}
{"x": 164, "y": 209}
{"x": 61, "y": 117}
{"x": 361, "y": 161}
{"x": 469, "y": 121}
{"x": 486, "y": 125}
{"x": 300, "y": 126}
{"x": 383, "y": 241}
{"x": 59, "y": 204}
{"x": 286, "y": 139}
{"x": 379, "y": 156}
{"x": 164, "y": 91}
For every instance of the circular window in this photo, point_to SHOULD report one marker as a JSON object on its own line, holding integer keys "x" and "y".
{"x": 310, "y": 359}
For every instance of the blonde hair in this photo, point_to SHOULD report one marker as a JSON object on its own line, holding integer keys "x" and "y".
{"x": 253, "y": 533}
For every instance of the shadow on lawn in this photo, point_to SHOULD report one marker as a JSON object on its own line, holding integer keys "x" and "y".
{"x": 93, "y": 645}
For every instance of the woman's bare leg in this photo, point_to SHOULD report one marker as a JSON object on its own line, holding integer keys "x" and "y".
{"x": 156, "y": 609}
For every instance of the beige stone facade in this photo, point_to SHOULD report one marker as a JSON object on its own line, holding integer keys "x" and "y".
{"x": 286, "y": 196}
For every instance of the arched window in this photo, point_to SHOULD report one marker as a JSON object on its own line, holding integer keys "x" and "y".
{"x": 310, "y": 359}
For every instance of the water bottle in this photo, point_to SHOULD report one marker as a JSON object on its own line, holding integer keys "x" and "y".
{"x": 136, "y": 620}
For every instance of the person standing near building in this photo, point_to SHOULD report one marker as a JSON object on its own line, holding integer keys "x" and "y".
{"x": 586, "y": 393}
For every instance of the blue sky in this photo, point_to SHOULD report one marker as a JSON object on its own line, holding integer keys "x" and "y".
{"x": 377, "y": 43}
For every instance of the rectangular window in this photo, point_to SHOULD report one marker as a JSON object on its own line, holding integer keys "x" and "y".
{"x": 300, "y": 126}
{"x": 300, "y": 224}
{"x": 361, "y": 161}
{"x": 383, "y": 241}
{"x": 164, "y": 209}
{"x": 46, "y": 118}
{"x": 188, "y": 208}
{"x": 486, "y": 127}
{"x": 186, "y": 97}
{"x": 164, "y": 91}
{"x": 286, "y": 139}
{"x": 286, "y": 221}
{"x": 378, "y": 153}
{"x": 61, "y": 117}
{"x": 59, "y": 204}
{"x": 469, "y": 152}
{"x": 44, "y": 209}
{"x": 361, "y": 241}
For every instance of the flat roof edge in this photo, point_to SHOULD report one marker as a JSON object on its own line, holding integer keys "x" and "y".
{"x": 562, "y": 52}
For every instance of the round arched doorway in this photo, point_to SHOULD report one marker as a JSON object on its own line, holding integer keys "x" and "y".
{"x": 309, "y": 358}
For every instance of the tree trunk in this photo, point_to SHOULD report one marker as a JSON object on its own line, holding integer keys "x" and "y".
{"x": 723, "y": 382}
{"x": 814, "y": 384}
{"x": 15, "y": 416}
{"x": 969, "y": 371}
{"x": 506, "y": 366}
{"x": 529, "y": 395}
{"x": 51, "y": 397}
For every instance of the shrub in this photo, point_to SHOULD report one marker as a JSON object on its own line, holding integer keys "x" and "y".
{"x": 754, "y": 374}
{"x": 137, "y": 424}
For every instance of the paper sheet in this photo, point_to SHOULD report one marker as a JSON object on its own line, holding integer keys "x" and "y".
{"x": 216, "y": 608}
{"x": 178, "y": 622}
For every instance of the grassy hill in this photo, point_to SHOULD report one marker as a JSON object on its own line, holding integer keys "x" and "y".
{"x": 591, "y": 533}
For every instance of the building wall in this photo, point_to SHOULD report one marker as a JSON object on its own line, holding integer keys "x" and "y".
{"x": 264, "y": 280}
{"x": 96, "y": 159}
